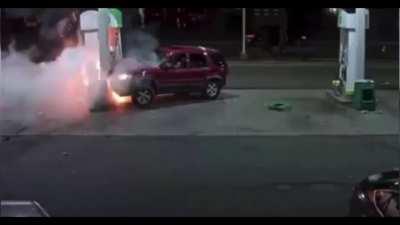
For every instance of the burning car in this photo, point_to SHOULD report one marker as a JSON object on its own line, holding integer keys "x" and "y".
{"x": 182, "y": 69}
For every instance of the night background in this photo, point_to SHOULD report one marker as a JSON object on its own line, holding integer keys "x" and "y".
{"x": 221, "y": 28}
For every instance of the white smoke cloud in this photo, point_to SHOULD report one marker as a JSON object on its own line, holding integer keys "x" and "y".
{"x": 141, "y": 53}
{"x": 30, "y": 92}
{"x": 141, "y": 47}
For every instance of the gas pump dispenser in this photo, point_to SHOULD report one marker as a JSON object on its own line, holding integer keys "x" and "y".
{"x": 100, "y": 33}
{"x": 109, "y": 36}
{"x": 353, "y": 24}
{"x": 114, "y": 35}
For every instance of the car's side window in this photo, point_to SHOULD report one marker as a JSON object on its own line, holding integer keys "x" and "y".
{"x": 179, "y": 61}
{"x": 197, "y": 61}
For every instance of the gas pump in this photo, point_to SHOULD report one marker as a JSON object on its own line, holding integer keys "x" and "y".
{"x": 114, "y": 35}
{"x": 352, "y": 23}
{"x": 109, "y": 36}
{"x": 100, "y": 33}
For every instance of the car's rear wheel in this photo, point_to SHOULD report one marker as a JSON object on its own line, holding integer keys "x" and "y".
{"x": 144, "y": 97}
{"x": 212, "y": 90}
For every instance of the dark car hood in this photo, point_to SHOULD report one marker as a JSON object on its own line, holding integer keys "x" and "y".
{"x": 389, "y": 179}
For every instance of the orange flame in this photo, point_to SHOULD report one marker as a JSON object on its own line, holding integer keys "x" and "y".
{"x": 117, "y": 99}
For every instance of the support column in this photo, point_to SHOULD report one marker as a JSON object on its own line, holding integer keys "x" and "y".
{"x": 354, "y": 46}
{"x": 243, "y": 54}
{"x": 356, "y": 65}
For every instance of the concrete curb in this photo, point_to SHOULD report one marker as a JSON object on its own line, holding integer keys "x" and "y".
{"x": 221, "y": 134}
{"x": 270, "y": 63}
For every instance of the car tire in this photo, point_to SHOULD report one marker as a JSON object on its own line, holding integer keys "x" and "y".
{"x": 212, "y": 90}
{"x": 144, "y": 97}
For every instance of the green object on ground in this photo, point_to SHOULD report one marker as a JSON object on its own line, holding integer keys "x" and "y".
{"x": 279, "y": 106}
{"x": 364, "y": 95}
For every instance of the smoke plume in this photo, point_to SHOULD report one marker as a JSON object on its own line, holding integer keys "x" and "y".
{"x": 140, "y": 52}
{"x": 30, "y": 92}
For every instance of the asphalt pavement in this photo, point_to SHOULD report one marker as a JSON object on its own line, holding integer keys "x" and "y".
{"x": 229, "y": 157}
{"x": 235, "y": 112}
{"x": 191, "y": 176}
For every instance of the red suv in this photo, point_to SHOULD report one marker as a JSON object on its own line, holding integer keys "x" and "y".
{"x": 182, "y": 69}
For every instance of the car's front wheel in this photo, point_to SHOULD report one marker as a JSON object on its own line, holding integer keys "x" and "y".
{"x": 212, "y": 90}
{"x": 144, "y": 97}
